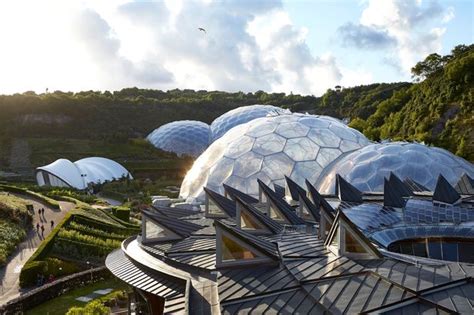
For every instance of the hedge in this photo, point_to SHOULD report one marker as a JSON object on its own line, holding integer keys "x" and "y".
{"x": 33, "y": 265}
{"x": 46, "y": 200}
{"x": 51, "y": 290}
{"x": 122, "y": 213}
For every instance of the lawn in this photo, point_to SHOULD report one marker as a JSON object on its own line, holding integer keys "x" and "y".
{"x": 63, "y": 303}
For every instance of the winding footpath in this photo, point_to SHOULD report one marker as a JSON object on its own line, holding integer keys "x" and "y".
{"x": 10, "y": 274}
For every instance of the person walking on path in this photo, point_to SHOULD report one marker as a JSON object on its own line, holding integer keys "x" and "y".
{"x": 52, "y": 224}
{"x": 39, "y": 213}
{"x": 42, "y": 230}
{"x": 37, "y": 227}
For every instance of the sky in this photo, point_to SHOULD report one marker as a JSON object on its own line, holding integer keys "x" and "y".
{"x": 291, "y": 46}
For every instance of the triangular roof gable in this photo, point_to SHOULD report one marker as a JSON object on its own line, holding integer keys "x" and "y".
{"x": 261, "y": 250}
{"x": 444, "y": 192}
{"x": 232, "y": 192}
{"x": 279, "y": 190}
{"x": 347, "y": 192}
{"x": 280, "y": 205}
{"x": 293, "y": 188}
{"x": 180, "y": 227}
{"x": 414, "y": 186}
{"x": 393, "y": 195}
{"x": 397, "y": 183}
{"x": 173, "y": 212}
{"x": 169, "y": 235}
{"x": 320, "y": 201}
{"x": 273, "y": 226}
{"x": 312, "y": 209}
{"x": 465, "y": 185}
{"x": 226, "y": 205}
{"x": 341, "y": 220}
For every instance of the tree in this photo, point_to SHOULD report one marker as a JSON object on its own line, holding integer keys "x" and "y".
{"x": 432, "y": 64}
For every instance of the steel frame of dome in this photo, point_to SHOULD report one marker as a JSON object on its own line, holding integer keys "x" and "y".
{"x": 184, "y": 137}
{"x": 242, "y": 115}
{"x": 367, "y": 167}
{"x": 270, "y": 148}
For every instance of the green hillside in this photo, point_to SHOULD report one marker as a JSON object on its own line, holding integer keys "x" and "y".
{"x": 36, "y": 129}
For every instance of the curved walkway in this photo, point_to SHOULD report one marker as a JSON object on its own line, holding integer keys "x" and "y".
{"x": 10, "y": 274}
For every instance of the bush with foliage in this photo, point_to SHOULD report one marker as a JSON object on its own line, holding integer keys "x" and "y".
{"x": 91, "y": 308}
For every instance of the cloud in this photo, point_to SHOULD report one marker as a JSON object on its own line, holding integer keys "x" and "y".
{"x": 108, "y": 45}
{"x": 365, "y": 37}
{"x": 96, "y": 36}
{"x": 411, "y": 28}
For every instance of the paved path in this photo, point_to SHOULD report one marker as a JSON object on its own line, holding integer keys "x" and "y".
{"x": 10, "y": 274}
{"x": 110, "y": 201}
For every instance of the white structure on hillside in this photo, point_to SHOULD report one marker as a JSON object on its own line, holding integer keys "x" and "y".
{"x": 92, "y": 170}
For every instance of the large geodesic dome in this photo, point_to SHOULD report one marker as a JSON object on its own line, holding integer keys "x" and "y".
{"x": 241, "y": 115}
{"x": 184, "y": 137}
{"x": 270, "y": 148}
{"x": 367, "y": 167}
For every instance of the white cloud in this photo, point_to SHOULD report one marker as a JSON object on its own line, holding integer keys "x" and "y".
{"x": 408, "y": 30}
{"x": 76, "y": 45}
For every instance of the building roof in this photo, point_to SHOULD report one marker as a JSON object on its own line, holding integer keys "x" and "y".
{"x": 306, "y": 276}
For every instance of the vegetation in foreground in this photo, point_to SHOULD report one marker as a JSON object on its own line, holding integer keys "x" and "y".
{"x": 62, "y": 304}
{"x": 83, "y": 238}
{"x": 15, "y": 220}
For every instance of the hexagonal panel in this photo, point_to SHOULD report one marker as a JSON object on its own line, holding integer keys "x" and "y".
{"x": 269, "y": 144}
{"x": 248, "y": 164}
{"x": 292, "y": 130}
{"x": 301, "y": 149}
{"x": 324, "y": 138}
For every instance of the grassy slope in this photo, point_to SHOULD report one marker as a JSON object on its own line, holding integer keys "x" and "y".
{"x": 63, "y": 303}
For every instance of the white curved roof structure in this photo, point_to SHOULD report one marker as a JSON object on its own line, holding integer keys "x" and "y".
{"x": 367, "y": 167}
{"x": 64, "y": 173}
{"x": 242, "y": 115}
{"x": 185, "y": 137}
{"x": 270, "y": 148}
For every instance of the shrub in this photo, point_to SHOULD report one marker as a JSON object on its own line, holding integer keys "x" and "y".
{"x": 92, "y": 308}
{"x": 10, "y": 235}
{"x": 46, "y": 200}
{"x": 122, "y": 213}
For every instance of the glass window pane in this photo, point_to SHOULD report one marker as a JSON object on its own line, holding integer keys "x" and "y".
{"x": 352, "y": 245}
{"x": 466, "y": 252}
{"x": 406, "y": 248}
{"x": 450, "y": 251}
{"x": 419, "y": 249}
{"x": 231, "y": 250}
{"x": 213, "y": 208}
{"x": 153, "y": 230}
{"x": 434, "y": 249}
{"x": 247, "y": 222}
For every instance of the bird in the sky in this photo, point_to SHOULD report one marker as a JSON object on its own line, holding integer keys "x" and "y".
{"x": 201, "y": 29}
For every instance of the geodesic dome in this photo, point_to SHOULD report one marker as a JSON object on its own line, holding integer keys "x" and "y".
{"x": 366, "y": 168}
{"x": 268, "y": 148}
{"x": 242, "y": 115}
{"x": 184, "y": 137}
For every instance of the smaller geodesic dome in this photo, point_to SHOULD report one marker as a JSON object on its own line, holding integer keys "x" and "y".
{"x": 270, "y": 148}
{"x": 241, "y": 115}
{"x": 367, "y": 167}
{"x": 184, "y": 137}
{"x": 64, "y": 173}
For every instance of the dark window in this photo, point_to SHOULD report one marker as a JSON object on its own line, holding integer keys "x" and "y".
{"x": 466, "y": 252}
{"x": 419, "y": 249}
{"x": 450, "y": 251}
{"x": 434, "y": 249}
